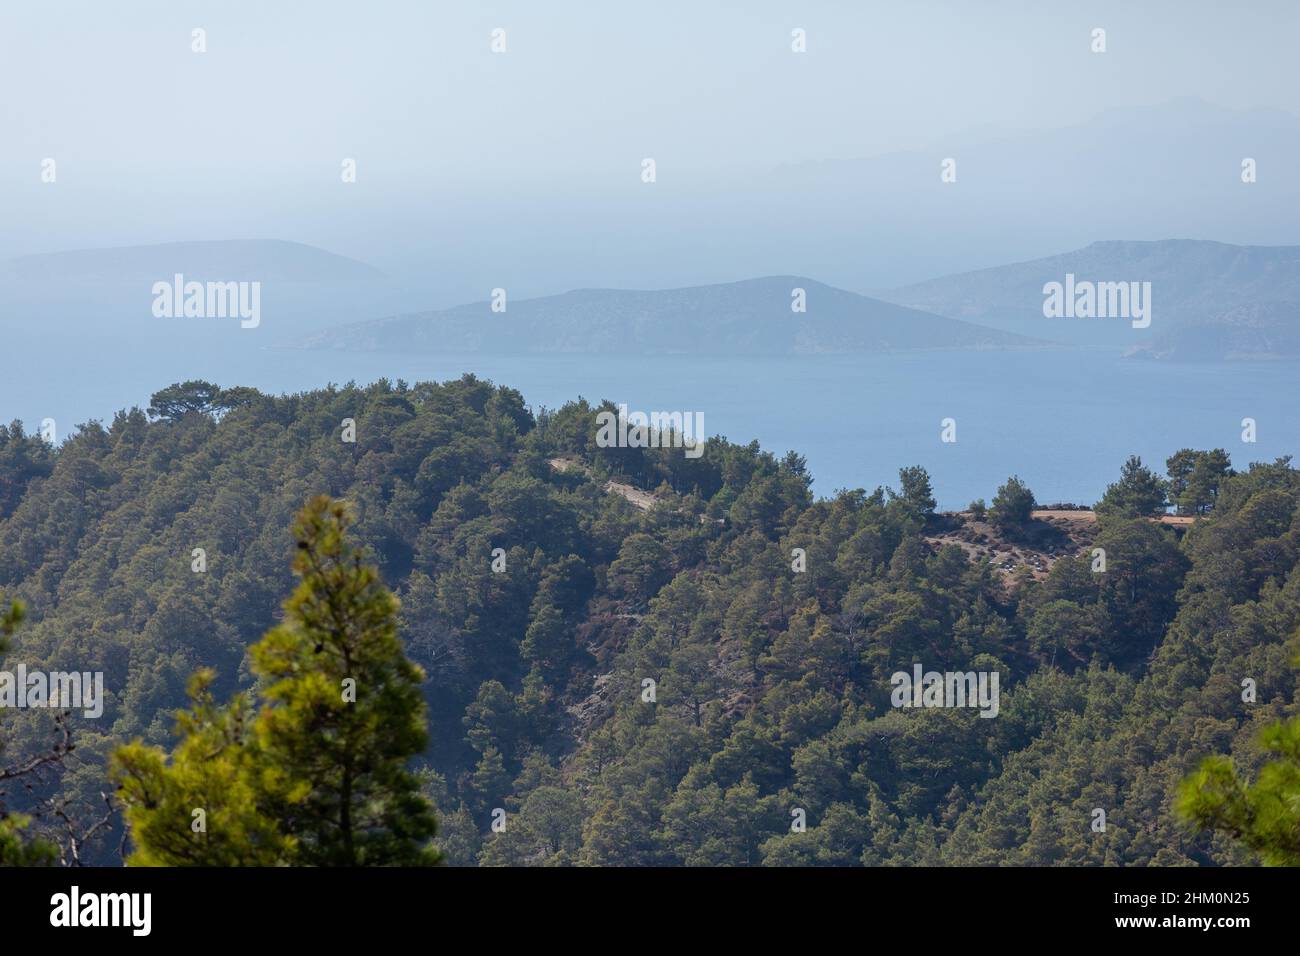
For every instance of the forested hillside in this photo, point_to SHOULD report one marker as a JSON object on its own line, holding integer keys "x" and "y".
{"x": 666, "y": 684}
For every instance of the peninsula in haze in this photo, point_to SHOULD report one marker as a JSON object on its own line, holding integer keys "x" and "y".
{"x": 752, "y": 317}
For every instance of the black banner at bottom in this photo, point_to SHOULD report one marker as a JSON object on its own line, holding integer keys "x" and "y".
{"x": 335, "y": 906}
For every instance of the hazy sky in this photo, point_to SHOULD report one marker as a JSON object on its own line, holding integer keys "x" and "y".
{"x": 155, "y": 142}
{"x": 522, "y": 170}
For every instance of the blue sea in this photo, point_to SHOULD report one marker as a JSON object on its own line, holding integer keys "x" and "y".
{"x": 1064, "y": 421}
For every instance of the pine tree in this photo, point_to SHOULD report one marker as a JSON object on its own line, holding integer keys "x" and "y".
{"x": 1138, "y": 493}
{"x": 916, "y": 493}
{"x": 1013, "y": 505}
{"x": 319, "y": 778}
{"x": 1264, "y": 815}
{"x": 204, "y": 807}
{"x": 345, "y": 712}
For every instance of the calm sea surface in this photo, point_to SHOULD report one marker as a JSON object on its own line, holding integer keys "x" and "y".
{"x": 1062, "y": 420}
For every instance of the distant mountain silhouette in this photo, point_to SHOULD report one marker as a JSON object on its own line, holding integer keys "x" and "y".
{"x": 738, "y": 318}
{"x": 266, "y": 260}
{"x": 1150, "y": 172}
{"x": 1210, "y": 300}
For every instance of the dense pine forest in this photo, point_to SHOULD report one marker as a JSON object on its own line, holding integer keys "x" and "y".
{"x": 634, "y": 656}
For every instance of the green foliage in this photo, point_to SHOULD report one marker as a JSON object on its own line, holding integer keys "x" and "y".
{"x": 916, "y": 492}
{"x": 1071, "y": 629}
{"x": 1263, "y": 815}
{"x": 10, "y": 618}
{"x": 319, "y": 778}
{"x": 770, "y": 685}
{"x": 18, "y": 847}
{"x": 207, "y": 803}
{"x": 641, "y": 568}
{"x": 176, "y": 401}
{"x": 343, "y": 709}
{"x": 1138, "y": 493}
{"x": 1012, "y": 505}
{"x": 23, "y": 458}
{"x": 1195, "y": 478}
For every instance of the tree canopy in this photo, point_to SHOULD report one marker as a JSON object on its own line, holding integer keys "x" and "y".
{"x": 317, "y": 776}
{"x": 629, "y": 656}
